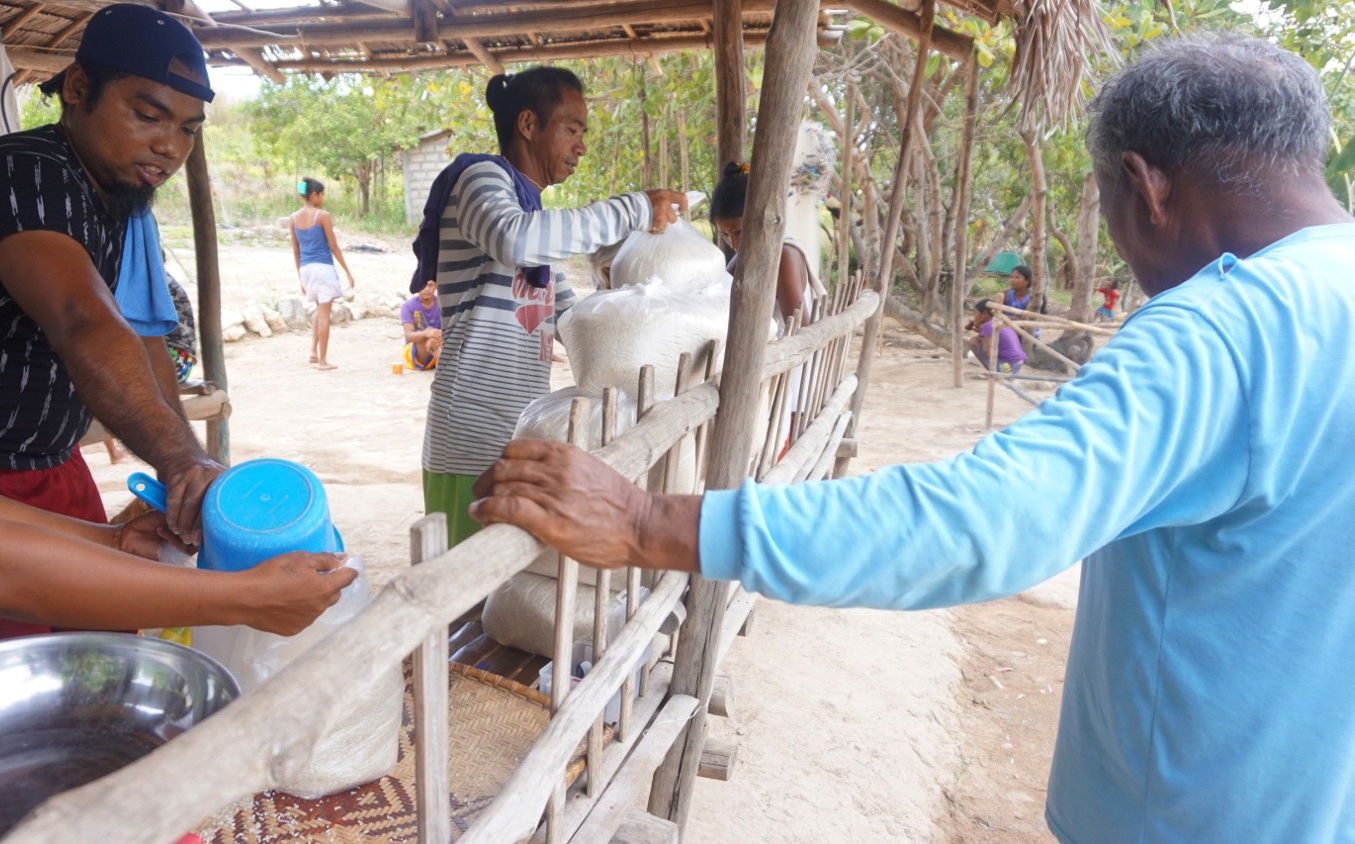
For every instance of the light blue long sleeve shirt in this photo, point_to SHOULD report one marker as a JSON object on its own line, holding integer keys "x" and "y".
{"x": 1204, "y": 465}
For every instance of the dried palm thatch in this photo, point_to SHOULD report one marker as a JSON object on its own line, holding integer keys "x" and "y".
{"x": 1058, "y": 42}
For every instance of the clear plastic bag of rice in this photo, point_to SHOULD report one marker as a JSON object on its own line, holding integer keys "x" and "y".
{"x": 679, "y": 256}
{"x": 362, "y": 744}
{"x": 547, "y": 418}
{"x": 611, "y": 334}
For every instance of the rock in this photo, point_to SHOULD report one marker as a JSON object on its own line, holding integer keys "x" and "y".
{"x": 254, "y": 322}
{"x": 273, "y": 318}
{"x": 233, "y": 333}
{"x": 293, "y": 313}
{"x": 359, "y": 309}
{"x": 339, "y": 313}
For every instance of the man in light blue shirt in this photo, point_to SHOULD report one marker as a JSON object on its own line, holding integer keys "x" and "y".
{"x": 1203, "y": 463}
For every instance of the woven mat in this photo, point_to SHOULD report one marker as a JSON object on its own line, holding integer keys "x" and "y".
{"x": 493, "y": 723}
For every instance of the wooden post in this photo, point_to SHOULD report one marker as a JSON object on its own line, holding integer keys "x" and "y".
{"x": 844, "y": 220}
{"x": 209, "y": 292}
{"x": 993, "y": 318}
{"x": 958, "y": 283}
{"x": 1039, "y": 190}
{"x": 881, "y": 283}
{"x": 731, "y": 116}
{"x": 790, "y": 55}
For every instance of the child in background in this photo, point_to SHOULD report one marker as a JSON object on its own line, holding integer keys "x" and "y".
{"x": 1111, "y": 292}
{"x": 422, "y": 322}
{"x": 1010, "y": 355}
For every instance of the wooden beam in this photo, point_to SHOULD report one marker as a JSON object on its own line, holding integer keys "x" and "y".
{"x": 69, "y": 29}
{"x": 944, "y": 41}
{"x": 13, "y": 25}
{"x": 581, "y": 50}
{"x": 790, "y": 55}
{"x": 253, "y": 56}
{"x": 265, "y": 18}
{"x": 425, "y": 16}
{"x": 478, "y": 49}
{"x": 42, "y": 61}
{"x": 582, "y": 17}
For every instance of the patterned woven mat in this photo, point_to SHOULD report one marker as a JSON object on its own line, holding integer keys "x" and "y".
{"x": 492, "y": 725}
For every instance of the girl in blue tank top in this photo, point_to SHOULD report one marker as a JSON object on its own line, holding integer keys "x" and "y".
{"x": 316, "y": 250}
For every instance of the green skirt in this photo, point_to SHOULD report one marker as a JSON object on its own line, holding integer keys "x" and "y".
{"x": 450, "y": 494}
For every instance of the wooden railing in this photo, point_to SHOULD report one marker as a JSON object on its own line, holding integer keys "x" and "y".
{"x": 267, "y": 734}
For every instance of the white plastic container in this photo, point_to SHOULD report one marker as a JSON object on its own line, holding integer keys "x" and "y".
{"x": 583, "y": 663}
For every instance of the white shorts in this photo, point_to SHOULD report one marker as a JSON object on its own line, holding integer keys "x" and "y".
{"x": 321, "y": 282}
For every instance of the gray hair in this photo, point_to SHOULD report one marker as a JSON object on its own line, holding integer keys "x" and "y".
{"x": 1226, "y": 108}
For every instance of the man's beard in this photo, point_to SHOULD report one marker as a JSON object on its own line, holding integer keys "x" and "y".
{"x": 122, "y": 201}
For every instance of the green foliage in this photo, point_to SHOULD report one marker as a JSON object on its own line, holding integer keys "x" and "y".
{"x": 38, "y": 110}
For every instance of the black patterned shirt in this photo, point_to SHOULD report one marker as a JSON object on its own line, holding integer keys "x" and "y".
{"x": 43, "y": 187}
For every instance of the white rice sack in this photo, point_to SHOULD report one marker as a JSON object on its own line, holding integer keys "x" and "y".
{"x": 363, "y": 743}
{"x": 679, "y": 257}
{"x": 547, "y": 418}
{"x": 521, "y": 613}
{"x": 612, "y": 333}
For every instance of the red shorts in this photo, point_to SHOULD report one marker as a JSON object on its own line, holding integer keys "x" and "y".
{"x": 68, "y": 489}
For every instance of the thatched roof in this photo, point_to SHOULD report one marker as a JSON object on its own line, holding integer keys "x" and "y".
{"x": 394, "y": 36}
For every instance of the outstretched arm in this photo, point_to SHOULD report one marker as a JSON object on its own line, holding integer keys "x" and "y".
{"x": 52, "y": 279}
{"x": 58, "y": 579}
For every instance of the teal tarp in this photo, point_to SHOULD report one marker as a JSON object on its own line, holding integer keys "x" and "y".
{"x": 1003, "y": 263}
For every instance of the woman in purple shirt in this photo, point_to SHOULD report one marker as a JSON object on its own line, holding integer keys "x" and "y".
{"x": 1010, "y": 355}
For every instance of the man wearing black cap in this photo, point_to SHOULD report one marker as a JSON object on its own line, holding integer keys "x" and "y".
{"x": 131, "y": 106}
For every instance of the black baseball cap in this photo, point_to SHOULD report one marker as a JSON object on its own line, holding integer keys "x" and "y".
{"x": 144, "y": 42}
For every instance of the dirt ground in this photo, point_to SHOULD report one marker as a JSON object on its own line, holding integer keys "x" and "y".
{"x": 853, "y": 725}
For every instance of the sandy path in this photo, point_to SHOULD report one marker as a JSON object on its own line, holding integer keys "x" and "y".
{"x": 854, "y": 725}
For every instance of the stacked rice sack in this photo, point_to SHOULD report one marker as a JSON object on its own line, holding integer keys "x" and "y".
{"x": 670, "y": 296}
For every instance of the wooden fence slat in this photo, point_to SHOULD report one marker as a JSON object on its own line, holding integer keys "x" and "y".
{"x": 512, "y": 816}
{"x": 608, "y": 813}
{"x": 428, "y": 539}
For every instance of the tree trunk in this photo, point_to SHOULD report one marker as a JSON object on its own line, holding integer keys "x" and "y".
{"x": 684, "y": 161}
{"x": 364, "y": 177}
{"x": 1084, "y": 262}
{"x": 647, "y": 177}
{"x": 663, "y": 146}
{"x": 1039, "y": 189}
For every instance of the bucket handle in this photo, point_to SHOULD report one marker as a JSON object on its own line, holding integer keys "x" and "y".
{"x": 148, "y": 489}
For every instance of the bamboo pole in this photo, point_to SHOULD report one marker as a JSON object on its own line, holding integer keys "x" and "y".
{"x": 1027, "y": 318}
{"x": 962, "y": 178}
{"x": 790, "y": 55}
{"x": 1048, "y": 348}
{"x": 209, "y": 292}
{"x": 882, "y": 282}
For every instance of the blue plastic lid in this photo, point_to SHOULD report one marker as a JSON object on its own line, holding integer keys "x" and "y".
{"x": 261, "y": 508}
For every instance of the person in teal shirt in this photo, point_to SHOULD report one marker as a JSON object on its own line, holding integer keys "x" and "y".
{"x": 1203, "y": 464}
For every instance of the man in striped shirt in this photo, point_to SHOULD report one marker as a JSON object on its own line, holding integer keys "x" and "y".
{"x": 488, "y": 243}
{"x": 132, "y": 104}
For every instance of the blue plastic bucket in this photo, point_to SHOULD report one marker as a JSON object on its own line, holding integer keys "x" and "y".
{"x": 256, "y": 510}
{"x": 261, "y": 508}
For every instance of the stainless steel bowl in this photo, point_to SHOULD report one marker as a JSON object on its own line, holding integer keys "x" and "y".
{"x": 77, "y": 706}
